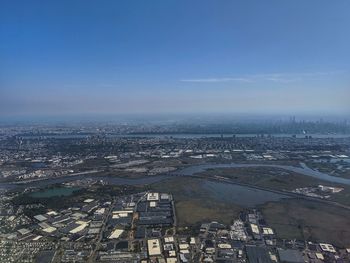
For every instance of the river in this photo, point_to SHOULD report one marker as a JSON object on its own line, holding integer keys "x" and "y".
{"x": 221, "y": 191}
{"x": 188, "y": 171}
{"x": 304, "y": 170}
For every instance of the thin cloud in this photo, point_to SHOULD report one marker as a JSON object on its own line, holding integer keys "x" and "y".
{"x": 217, "y": 80}
{"x": 272, "y": 77}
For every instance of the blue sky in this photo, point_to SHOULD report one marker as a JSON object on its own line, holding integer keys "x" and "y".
{"x": 105, "y": 57}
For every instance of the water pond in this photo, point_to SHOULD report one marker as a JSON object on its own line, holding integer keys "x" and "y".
{"x": 54, "y": 191}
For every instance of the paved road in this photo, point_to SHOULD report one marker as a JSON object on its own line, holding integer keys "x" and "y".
{"x": 93, "y": 255}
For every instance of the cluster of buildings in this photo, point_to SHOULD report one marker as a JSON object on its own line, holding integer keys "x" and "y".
{"x": 138, "y": 224}
{"x": 13, "y": 251}
{"x": 142, "y": 228}
{"x": 250, "y": 239}
{"x": 72, "y": 224}
{"x": 321, "y": 191}
{"x": 33, "y": 157}
{"x": 104, "y": 230}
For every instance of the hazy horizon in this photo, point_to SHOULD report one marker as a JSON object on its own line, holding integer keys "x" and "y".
{"x": 169, "y": 118}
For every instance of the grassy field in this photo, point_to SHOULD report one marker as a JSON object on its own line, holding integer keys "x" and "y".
{"x": 311, "y": 220}
{"x": 193, "y": 205}
{"x": 330, "y": 168}
{"x": 278, "y": 179}
{"x": 193, "y": 211}
{"x": 291, "y": 218}
{"x": 269, "y": 177}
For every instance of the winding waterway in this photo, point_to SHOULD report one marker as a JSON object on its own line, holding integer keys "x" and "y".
{"x": 188, "y": 171}
{"x": 304, "y": 170}
{"x": 221, "y": 191}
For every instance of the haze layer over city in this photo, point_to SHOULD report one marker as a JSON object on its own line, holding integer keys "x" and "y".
{"x": 175, "y": 131}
